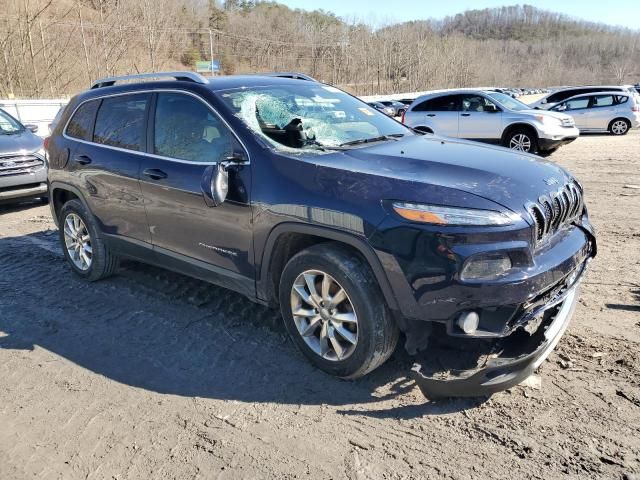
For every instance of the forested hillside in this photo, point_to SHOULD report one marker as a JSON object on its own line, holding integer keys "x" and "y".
{"x": 57, "y": 47}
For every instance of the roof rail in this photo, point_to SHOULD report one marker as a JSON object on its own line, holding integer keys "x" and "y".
{"x": 183, "y": 76}
{"x": 294, "y": 75}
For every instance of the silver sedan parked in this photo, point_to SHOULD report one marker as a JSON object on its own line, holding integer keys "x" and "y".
{"x": 613, "y": 112}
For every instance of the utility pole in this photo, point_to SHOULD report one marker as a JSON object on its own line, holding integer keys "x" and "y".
{"x": 211, "y": 51}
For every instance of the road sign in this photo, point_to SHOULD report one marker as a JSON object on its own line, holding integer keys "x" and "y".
{"x": 212, "y": 66}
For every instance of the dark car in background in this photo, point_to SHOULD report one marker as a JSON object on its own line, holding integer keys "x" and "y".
{"x": 381, "y": 107}
{"x": 398, "y": 107}
{"x": 357, "y": 227}
{"x": 23, "y": 164}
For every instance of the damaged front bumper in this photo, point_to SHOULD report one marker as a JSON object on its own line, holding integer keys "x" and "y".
{"x": 509, "y": 360}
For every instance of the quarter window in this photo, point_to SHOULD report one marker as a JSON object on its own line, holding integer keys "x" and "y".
{"x": 81, "y": 124}
{"x": 186, "y": 129}
{"x": 120, "y": 121}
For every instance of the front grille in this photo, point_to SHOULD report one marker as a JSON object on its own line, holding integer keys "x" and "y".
{"x": 19, "y": 164}
{"x": 553, "y": 211}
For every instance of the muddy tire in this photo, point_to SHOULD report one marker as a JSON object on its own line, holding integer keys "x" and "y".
{"x": 334, "y": 311}
{"x": 83, "y": 244}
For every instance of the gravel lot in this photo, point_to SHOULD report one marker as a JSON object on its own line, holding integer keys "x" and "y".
{"x": 154, "y": 375}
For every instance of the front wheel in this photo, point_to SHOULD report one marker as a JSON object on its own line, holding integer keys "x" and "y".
{"x": 335, "y": 313}
{"x": 619, "y": 126}
{"x": 522, "y": 140}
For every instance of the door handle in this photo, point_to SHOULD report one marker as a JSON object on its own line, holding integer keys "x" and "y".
{"x": 431, "y": 114}
{"x": 154, "y": 173}
{"x": 82, "y": 160}
{"x": 465, "y": 114}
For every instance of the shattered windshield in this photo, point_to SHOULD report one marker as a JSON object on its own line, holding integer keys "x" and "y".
{"x": 310, "y": 116}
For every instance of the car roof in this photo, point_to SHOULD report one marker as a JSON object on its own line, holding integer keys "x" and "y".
{"x": 443, "y": 93}
{"x": 604, "y": 92}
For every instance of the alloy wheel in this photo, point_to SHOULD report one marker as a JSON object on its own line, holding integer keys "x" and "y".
{"x": 78, "y": 242}
{"x": 324, "y": 315}
{"x": 619, "y": 127}
{"x": 520, "y": 142}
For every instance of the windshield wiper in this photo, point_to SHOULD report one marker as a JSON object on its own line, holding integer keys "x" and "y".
{"x": 381, "y": 138}
{"x": 319, "y": 146}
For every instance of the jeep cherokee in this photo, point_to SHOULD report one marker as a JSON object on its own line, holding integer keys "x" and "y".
{"x": 301, "y": 196}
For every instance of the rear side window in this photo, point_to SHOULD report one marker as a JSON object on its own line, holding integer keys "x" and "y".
{"x": 446, "y": 103}
{"x": 603, "y": 100}
{"x": 81, "y": 124}
{"x": 120, "y": 121}
{"x": 186, "y": 129}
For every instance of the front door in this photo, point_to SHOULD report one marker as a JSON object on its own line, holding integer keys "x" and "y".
{"x": 187, "y": 139}
{"x": 480, "y": 118}
{"x": 578, "y": 108}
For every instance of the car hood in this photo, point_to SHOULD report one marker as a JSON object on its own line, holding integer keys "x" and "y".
{"x": 19, "y": 143}
{"x": 497, "y": 174}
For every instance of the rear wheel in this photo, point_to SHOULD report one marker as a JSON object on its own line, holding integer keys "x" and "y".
{"x": 335, "y": 313}
{"x": 83, "y": 244}
{"x": 619, "y": 126}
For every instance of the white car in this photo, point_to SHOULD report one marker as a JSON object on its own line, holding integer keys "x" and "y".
{"x": 613, "y": 112}
{"x": 561, "y": 94}
{"x": 491, "y": 117}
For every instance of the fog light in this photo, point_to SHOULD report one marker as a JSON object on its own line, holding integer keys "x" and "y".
{"x": 485, "y": 267}
{"x": 468, "y": 322}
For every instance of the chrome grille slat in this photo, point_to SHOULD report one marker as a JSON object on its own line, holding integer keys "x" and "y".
{"x": 19, "y": 164}
{"x": 551, "y": 212}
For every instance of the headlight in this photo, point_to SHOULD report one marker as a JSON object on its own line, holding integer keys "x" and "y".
{"x": 438, "y": 215}
{"x": 42, "y": 153}
{"x": 549, "y": 120}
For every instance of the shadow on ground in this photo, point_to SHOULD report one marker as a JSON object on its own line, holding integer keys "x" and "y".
{"x": 156, "y": 330}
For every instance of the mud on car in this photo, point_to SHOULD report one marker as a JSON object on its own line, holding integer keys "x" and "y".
{"x": 302, "y": 197}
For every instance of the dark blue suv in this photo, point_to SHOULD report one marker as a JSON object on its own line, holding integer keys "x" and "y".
{"x": 298, "y": 195}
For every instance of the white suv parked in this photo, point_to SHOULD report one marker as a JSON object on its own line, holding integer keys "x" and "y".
{"x": 491, "y": 117}
{"x": 615, "y": 112}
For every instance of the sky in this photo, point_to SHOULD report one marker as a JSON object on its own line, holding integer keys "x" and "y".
{"x": 624, "y": 13}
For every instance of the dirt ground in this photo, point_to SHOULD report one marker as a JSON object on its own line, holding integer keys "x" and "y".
{"x": 154, "y": 375}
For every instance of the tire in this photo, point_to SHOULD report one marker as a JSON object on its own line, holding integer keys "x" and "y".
{"x": 102, "y": 262}
{"x": 522, "y": 140}
{"x": 619, "y": 126}
{"x": 376, "y": 333}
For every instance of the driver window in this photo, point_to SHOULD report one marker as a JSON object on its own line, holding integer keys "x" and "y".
{"x": 577, "y": 103}
{"x": 186, "y": 129}
{"x": 477, "y": 103}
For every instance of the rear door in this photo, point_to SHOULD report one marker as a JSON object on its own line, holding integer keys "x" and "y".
{"x": 187, "y": 139}
{"x": 480, "y": 118}
{"x": 440, "y": 114}
{"x": 104, "y": 161}
{"x": 601, "y": 112}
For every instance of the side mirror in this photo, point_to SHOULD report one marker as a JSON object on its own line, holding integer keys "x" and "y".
{"x": 561, "y": 108}
{"x": 215, "y": 184}
{"x": 543, "y": 101}
{"x": 31, "y": 128}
